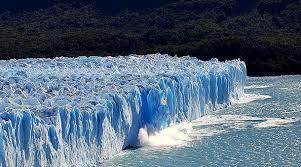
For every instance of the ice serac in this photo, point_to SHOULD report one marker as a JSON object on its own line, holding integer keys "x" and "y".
{"x": 80, "y": 111}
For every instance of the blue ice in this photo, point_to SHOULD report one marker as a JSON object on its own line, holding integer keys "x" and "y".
{"x": 80, "y": 111}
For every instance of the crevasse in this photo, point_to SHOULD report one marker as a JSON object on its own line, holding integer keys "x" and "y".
{"x": 80, "y": 111}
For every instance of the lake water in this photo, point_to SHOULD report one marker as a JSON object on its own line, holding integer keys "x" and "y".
{"x": 262, "y": 129}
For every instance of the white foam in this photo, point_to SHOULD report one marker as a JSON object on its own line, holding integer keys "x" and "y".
{"x": 177, "y": 135}
{"x": 210, "y": 125}
{"x": 274, "y": 122}
{"x": 253, "y": 86}
{"x": 224, "y": 119}
{"x": 238, "y": 121}
{"x": 142, "y": 137}
{"x": 247, "y": 98}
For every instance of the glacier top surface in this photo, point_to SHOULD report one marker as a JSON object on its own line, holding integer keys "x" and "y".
{"x": 40, "y": 84}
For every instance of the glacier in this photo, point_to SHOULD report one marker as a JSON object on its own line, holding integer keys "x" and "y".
{"x": 81, "y": 111}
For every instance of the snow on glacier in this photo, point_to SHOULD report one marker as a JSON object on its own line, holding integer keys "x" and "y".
{"x": 80, "y": 111}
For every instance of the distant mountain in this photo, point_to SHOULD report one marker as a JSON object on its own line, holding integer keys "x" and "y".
{"x": 23, "y": 5}
{"x": 108, "y": 6}
{"x": 264, "y": 33}
{"x": 32, "y": 5}
{"x": 113, "y": 6}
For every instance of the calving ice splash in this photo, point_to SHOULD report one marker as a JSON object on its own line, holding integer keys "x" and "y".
{"x": 80, "y": 111}
{"x": 184, "y": 133}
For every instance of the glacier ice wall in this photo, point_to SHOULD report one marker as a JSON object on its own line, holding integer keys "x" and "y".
{"x": 80, "y": 111}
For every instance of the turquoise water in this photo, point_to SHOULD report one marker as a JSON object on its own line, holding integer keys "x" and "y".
{"x": 262, "y": 132}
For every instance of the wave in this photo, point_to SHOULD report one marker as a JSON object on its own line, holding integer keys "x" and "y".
{"x": 253, "y": 86}
{"x": 247, "y": 98}
{"x": 184, "y": 133}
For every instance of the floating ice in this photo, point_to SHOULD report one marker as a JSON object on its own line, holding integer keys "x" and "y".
{"x": 80, "y": 111}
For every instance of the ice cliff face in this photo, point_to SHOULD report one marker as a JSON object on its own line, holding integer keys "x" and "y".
{"x": 80, "y": 111}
